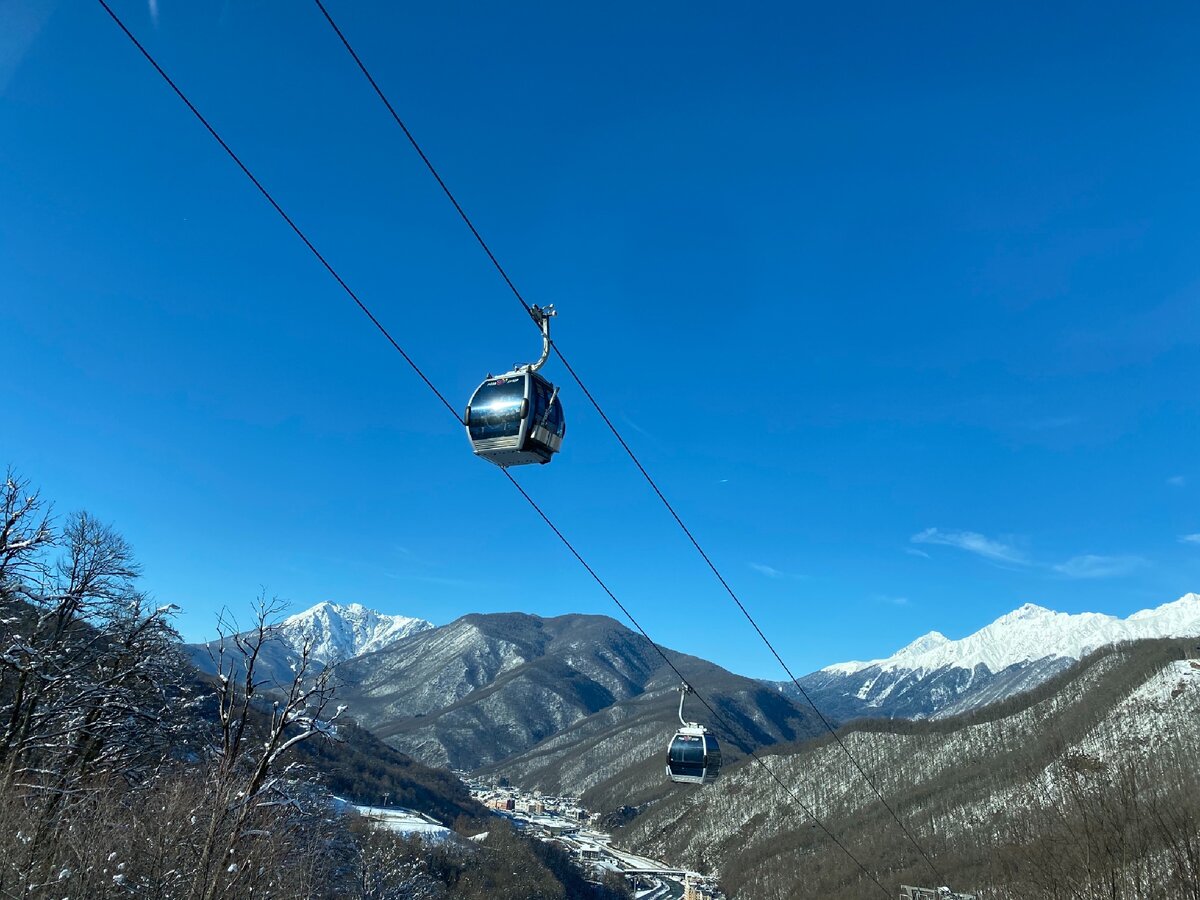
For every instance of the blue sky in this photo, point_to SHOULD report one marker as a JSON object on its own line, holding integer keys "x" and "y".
{"x": 899, "y": 305}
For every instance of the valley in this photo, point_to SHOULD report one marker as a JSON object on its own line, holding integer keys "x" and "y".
{"x": 564, "y": 822}
{"x": 579, "y": 706}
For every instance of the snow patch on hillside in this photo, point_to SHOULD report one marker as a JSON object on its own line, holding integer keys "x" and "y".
{"x": 404, "y": 821}
{"x": 1145, "y": 715}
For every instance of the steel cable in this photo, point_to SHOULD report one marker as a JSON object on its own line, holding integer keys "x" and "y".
{"x": 621, "y": 440}
{"x": 345, "y": 287}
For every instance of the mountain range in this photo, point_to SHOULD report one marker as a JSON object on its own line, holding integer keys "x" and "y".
{"x": 934, "y": 676}
{"x": 573, "y": 702}
{"x": 1084, "y": 786}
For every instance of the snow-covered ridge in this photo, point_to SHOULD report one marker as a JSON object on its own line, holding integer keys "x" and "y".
{"x": 340, "y": 631}
{"x": 1033, "y": 632}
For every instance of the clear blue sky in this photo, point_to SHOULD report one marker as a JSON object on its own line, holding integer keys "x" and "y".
{"x": 900, "y": 304}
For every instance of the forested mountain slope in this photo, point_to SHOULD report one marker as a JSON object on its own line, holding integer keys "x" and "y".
{"x": 489, "y": 687}
{"x": 1087, "y": 782}
{"x": 617, "y": 755}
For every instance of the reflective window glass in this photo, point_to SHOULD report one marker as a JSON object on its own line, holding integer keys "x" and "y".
{"x": 496, "y": 409}
{"x": 540, "y": 398}
{"x": 687, "y": 751}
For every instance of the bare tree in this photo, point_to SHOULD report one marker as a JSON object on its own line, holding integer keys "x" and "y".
{"x": 86, "y": 674}
{"x": 259, "y": 721}
{"x": 114, "y": 778}
{"x": 25, "y": 531}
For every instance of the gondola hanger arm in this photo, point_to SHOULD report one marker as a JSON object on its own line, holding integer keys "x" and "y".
{"x": 541, "y": 315}
{"x": 684, "y": 690}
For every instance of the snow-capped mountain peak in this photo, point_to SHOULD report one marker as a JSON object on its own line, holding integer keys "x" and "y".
{"x": 924, "y": 643}
{"x": 341, "y": 631}
{"x": 1025, "y": 612}
{"x": 1181, "y": 609}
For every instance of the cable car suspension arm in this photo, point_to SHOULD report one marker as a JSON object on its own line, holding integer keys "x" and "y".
{"x": 541, "y": 315}
{"x": 684, "y": 690}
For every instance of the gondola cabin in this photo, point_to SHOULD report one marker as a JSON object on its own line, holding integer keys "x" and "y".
{"x": 693, "y": 756}
{"x": 515, "y": 419}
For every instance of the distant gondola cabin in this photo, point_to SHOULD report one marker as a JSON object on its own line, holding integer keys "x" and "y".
{"x": 693, "y": 756}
